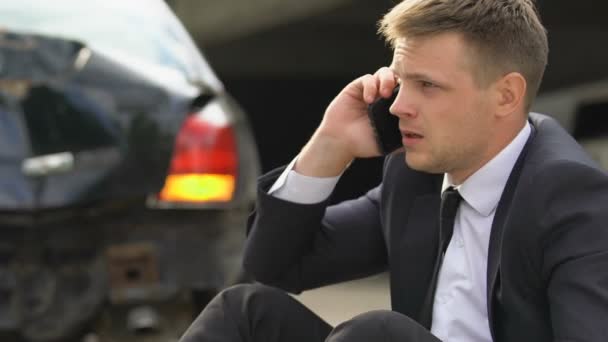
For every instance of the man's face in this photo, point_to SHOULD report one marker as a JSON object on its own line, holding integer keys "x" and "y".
{"x": 444, "y": 116}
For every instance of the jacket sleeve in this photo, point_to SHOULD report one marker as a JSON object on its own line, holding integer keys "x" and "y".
{"x": 575, "y": 251}
{"x": 299, "y": 246}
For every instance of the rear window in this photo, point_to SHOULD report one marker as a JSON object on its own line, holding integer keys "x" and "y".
{"x": 145, "y": 29}
{"x": 60, "y": 122}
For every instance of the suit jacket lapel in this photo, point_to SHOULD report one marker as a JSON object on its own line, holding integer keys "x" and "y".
{"x": 498, "y": 226}
{"x": 422, "y": 247}
{"x": 413, "y": 236}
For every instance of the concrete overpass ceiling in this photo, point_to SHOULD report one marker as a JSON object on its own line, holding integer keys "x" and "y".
{"x": 217, "y": 21}
{"x": 340, "y": 40}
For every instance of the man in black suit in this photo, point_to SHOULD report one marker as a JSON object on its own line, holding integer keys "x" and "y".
{"x": 492, "y": 222}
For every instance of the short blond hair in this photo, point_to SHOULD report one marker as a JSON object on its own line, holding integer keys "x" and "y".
{"x": 505, "y": 35}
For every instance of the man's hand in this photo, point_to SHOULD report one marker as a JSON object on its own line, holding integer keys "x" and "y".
{"x": 345, "y": 132}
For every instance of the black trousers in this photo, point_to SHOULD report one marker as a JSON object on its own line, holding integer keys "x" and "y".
{"x": 259, "y": 313}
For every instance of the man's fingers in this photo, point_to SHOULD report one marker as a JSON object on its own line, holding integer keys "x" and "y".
{"x": 387, "y": 81}
{"x": 380, "y": 84}
{"x": 370, "y": 88}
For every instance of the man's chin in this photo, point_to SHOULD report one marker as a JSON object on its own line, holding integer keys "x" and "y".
{"x": 417, "y": 164}
{"x": 413, "y": 163}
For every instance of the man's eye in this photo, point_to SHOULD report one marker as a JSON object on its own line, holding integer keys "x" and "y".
{"x": 426, "y": 84}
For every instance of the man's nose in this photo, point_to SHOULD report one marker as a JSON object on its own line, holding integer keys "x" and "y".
{"x": 403, "y": 106}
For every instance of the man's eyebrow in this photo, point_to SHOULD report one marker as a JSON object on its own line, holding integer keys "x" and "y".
{"x": 413, "y": 75}
{"x": 417, "y": 76}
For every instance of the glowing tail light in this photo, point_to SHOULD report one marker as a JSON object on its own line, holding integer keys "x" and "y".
{"x": 205, "y": 161}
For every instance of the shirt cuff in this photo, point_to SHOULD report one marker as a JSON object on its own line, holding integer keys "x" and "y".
{"x": 294, "y": 187}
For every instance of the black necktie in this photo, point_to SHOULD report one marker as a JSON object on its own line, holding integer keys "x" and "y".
{"x": 450, "y": 200}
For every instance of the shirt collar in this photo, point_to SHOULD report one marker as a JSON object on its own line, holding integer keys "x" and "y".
{"x": 482, "y": 190}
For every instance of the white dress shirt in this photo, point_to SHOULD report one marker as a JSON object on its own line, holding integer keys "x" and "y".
{"x": 460, "y": 308}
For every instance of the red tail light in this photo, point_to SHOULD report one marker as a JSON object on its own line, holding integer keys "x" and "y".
{"x": 205, "y": 161}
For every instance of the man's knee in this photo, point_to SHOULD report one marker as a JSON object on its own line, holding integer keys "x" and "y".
{"x": 227, "y": 315}
{"x": 252, "y": 299}
{"x": 383, "y": 325}
{"x": 243, "y": 301}
{"x": 252, "y": 294}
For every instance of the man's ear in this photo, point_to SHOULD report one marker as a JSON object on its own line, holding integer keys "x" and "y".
{"x": 510, "y": 94}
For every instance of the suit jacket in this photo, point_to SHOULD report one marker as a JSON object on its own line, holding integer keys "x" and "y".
{"x": 548, "y": 253}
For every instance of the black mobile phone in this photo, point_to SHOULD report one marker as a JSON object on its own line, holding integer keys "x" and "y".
{"x": 384, "y": 124}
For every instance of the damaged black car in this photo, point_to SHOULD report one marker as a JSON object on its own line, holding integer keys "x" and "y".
{"x": 126, "y": 172}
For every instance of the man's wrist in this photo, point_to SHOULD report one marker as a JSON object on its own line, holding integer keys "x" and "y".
{"x": 323, "y": 157}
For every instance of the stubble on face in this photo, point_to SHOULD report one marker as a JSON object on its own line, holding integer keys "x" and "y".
{"x": 453, "y": 116}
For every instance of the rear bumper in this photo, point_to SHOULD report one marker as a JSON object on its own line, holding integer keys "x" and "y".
{"x": 63, "y": 274}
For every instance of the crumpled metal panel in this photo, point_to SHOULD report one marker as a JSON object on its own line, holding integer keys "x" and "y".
{"x": 78, "y": 127}
{"x": 16, "y": 189}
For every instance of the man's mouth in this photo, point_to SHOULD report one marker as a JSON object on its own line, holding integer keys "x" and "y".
{"x": 410, "y": 139}
{"x": 411, "y": 135}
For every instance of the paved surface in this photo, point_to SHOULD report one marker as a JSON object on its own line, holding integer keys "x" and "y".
{"x": 338, "y": 303}
{"x": 335, "y": 304}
